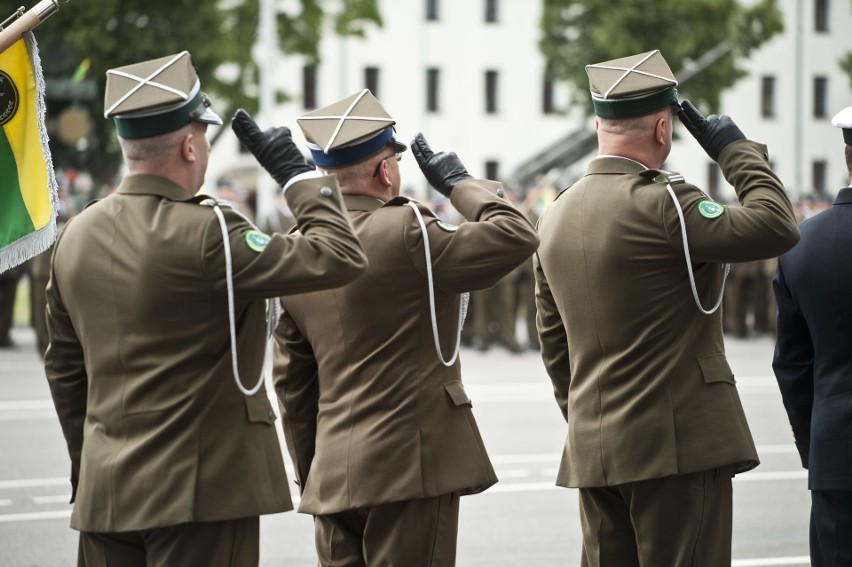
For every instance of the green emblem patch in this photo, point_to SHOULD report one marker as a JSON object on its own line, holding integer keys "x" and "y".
{"x": 710, "y": 210}
{"x": 447, "y": 227}
{"x": 256, "y": 240}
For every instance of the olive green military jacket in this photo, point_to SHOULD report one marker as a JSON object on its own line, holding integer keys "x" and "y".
{"x": 139, "y": 363}
{"x": 639, "y": 373}
{"x": 370, "y": 414}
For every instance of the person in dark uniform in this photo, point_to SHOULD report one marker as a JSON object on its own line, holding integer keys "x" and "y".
{"x": 157, "y": 320}
{"x": 8, "y": 291}
{"x": 40, "y": 274}
{"x": 495, "y": 315}
{"x": 375, "y": 415}
{"x": 751, "y": 287}
{"x": 628, "y": 279}
{"x": 813, "y": 289}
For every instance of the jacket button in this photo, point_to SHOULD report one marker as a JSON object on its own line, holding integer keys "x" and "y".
{"x": 271, "y": 415}
{"x": 326, "y": 191}
{"x": 500, "y": 192}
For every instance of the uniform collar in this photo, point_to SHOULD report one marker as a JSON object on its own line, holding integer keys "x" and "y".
{"x": 844, "y": 197}
{"x": 361, "y": 203}
{"x": 614, "y": 165}
{"x": 147, "y": 184}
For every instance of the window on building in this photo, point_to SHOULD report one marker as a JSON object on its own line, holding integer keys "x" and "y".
{"x": 433, "y": 85}
{"x": 713, "y": 176}
{"x": 492, "y": 170}
{"x": 819, "y": 168}
{"x": 820, "y": 97}
{"x": 309, "y": 86}
{"x": 547, "y": 105}
{"x": 491, "y": 91}
{"x": 491, "y": 11}
{"x": 371, "y": 80}
{"x": 432, "y": 10}
{"x": 767, "y": 96}
{"x": 821, "y": 16}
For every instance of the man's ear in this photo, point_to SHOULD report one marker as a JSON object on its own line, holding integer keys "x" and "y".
{"x": 384, "y": 176}
{"x": 660, "y": 132}
{"x": 187, "y": 148}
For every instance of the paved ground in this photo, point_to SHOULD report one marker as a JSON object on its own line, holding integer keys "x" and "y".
{"x": 522, "y": 521}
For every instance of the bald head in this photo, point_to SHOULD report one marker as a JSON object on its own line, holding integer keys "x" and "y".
{"x": 180, "y": 155}
{"x": 373, "y": 177}
{"x": 646, "y": 139}
{"x": 352, "y": 178}
{"x": 156, "y": 149}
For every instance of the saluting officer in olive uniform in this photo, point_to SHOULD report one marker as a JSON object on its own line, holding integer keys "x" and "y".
{"x": 375, "y": 415}
{"x": 634, "y": 350}
{"x": 157, "y": 318}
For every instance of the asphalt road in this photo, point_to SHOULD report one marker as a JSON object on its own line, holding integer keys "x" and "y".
{"x": 522, "y": 521}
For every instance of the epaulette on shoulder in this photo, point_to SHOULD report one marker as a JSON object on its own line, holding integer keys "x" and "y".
{"x": 397, "y": 201}
{"x": 662, "y": 176}
{"x": 208, "y": 201}
{"x": 562, "y": 192}
{"x": 90, "y": 203}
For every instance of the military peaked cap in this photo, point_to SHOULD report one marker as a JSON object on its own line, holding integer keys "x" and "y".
{"x": 156, "y": 97}
{"x": 349, "y": 130}
{"x": 631, "y": 86}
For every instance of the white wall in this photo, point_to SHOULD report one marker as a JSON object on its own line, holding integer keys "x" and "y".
{"x": 794, "y": 137}
{"x": 463, "y": 46}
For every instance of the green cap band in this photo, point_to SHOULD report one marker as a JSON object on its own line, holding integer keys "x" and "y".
{"x": 157, "y": 124}
{"x": 630, "y": 107}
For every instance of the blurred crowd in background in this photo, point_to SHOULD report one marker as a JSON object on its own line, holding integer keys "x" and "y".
{"x": 499, "y": 317}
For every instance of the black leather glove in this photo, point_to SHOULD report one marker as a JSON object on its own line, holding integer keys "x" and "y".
{"x": 274, "y": 149}
{"x": 442, "y": 170}
{"x": 713, "y": 132}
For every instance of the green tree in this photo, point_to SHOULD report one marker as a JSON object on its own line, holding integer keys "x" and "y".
{"x": 580, "y": 32}
{"x": 846, "y": 65}
{"x": 219, "y": 34}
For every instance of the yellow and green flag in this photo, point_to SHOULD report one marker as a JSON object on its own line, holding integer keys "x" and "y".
{"x": 28, "y": 198}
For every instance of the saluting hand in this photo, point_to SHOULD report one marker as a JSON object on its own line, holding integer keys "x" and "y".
{"x": 443, "y": 170}
{"x": 274, "y": 148}
{"x": 713, "y": 132}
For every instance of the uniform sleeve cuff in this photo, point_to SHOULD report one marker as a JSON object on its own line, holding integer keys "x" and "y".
{"x": 314, "y": 173}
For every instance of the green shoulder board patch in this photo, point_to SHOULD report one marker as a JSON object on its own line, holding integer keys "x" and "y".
{"x": 710, "y": 210}
{"x": 256, "y": 240}
{"x": 447, "y": 227}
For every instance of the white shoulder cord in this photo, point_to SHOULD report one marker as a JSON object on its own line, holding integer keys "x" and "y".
{"x": 689, "y": 260}
{"x": 272, "y": 318}
{"x": 462, "y": 303}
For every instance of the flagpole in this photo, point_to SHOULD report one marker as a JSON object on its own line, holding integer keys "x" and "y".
{"x": 28, "y": 21}
{"x": 267, "y": 43}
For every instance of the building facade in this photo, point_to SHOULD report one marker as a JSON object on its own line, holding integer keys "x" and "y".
{"x": 793, "y": 88}
{"x": 469, "y": 75}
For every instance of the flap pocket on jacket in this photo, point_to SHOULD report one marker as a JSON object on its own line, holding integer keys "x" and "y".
{"x": 457, "y": 393}
{"x": 716, "y": 369}
{"x": 258, "y": 408}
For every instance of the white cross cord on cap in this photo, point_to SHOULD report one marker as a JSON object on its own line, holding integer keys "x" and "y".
{"x": 629, "y": 70}
{"x": 147, "y": 81}
{"x": 343, "y": 118}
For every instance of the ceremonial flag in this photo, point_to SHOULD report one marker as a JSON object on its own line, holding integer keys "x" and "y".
{"x": 28, "y": 197}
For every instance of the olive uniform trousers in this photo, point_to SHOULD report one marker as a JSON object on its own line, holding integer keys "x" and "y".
{"x": 682, "y": 520}
{"x": 413, "y": 533}
{"x": 232, "y": 543}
